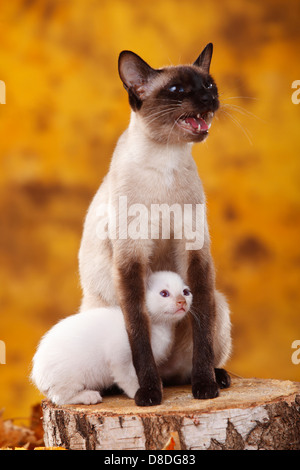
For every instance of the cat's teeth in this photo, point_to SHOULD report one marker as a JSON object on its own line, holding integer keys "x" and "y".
{"x": 198, "y": 116}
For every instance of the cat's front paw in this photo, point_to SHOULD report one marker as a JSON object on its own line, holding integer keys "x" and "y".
{"x": 148, "y": 396}
{"x": 223, "y": 378}
{"x": 205, "y": 390}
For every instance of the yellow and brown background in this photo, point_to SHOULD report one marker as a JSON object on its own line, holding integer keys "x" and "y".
{"x": 65, "y": 108}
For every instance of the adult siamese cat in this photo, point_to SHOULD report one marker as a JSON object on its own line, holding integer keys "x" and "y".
{"x": 172, "y": 108}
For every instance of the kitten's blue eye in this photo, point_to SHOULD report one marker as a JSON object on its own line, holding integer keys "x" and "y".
{"x": 186, "y": 292}
{"x": 176, "y": 88}
{"x": 164, "y": 293}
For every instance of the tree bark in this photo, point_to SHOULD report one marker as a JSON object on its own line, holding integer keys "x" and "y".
{"x": 251, "y": 414}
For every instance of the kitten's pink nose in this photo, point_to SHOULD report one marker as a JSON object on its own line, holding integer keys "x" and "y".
{"x": 180, "y": 301}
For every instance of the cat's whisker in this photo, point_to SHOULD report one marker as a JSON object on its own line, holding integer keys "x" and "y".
{"x": 174, "y": 103}
{"x": 155, "y": 116}
{"x": 158, "y": 117}
{"x": 239, "y": 97}
{"x": 163, "y": 107}
{"x": 168, "y": 105}
{"x": 241, "y": 110}
{"x": 239, "y": 125}
{"x": 161, "y": 111}
{"x": 172, "y": 128}
{"x": 168, "y": 100}
{"x": 160, "y": 114}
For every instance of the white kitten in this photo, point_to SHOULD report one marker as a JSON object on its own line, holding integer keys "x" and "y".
{"x": 89, "y": 351}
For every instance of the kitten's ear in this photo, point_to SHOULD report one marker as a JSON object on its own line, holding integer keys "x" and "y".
{"x": 149, "y": 273}
{"x": 204, "y": 58}
{"x": 135, "y": 74}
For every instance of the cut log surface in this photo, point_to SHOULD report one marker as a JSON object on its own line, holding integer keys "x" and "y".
{"x": 251, "y": 414}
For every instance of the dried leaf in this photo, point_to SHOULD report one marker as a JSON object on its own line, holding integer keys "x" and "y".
{"x": 50, "y": 448}
{"x": 21, "y": 437}
{"x": 173, "y": 442}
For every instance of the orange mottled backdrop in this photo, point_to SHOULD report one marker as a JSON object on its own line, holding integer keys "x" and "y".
{"x": 65, "y": 108}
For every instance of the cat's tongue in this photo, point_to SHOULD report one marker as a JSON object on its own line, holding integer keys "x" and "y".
{"x": 197, "y": 123}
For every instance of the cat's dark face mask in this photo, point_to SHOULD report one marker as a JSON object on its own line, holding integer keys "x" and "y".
{"x": 176, "y": 104}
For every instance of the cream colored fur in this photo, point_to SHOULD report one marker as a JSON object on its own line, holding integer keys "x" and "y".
{"x": 147, "y": 172}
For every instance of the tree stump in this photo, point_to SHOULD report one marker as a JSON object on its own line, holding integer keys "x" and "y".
{"x": 251, "y": 414}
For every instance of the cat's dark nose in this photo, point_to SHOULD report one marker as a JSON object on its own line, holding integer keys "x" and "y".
{"x": 207, "y": 99}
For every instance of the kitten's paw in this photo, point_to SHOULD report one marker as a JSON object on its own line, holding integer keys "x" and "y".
{"x": 223, "y": 378}
{"x": 205, "y": 390}
{"x": 86, "y": 397}
{"x": 148, "y": 396}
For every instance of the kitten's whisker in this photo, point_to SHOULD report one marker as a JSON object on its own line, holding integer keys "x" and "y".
{"x": 194, "y": 315}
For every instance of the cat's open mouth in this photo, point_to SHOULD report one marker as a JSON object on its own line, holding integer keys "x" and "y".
{"x": 197, "y": 124}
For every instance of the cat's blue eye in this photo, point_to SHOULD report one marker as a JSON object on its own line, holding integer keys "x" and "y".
{"x": 164, "y": 293}
{"x": 186, "y": 292}
{"x": 176, "y": 88}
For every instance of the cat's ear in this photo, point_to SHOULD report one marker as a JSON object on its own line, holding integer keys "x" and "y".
{"x": 204, "y": 58}
{"x": 135, "y": 74}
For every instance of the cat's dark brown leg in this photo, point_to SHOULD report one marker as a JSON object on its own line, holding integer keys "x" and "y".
{"x": 201, "y": 283}
{"x": 131, "y": 289}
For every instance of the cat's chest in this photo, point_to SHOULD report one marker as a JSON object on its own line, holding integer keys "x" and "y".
{"x": 161, "y": 340}
{"x": 147, "y": 173}
{"x": 165, "y": 185}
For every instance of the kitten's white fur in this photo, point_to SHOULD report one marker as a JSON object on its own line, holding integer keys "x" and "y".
{"x": 89, "y": 351}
